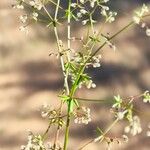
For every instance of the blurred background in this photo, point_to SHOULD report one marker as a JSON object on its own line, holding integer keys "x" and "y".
{"x": 29, "y": 78}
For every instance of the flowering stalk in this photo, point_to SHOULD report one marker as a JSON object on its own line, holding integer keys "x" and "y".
{"x": 74, "y": 64}
{"x": 67, "y": 72}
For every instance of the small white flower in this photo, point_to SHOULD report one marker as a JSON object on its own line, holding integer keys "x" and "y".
{"x": 82, "y": 115}
{"x": 148, "y": 133}
{"x": 83, "y": 11}
{"x": 23, "y": 18}
{"x": 143, "y": 25}
{"x": 139, "y": 14}
{"x": 18, "y": 6}
{"x": 103, "y": 12}
{"x": 79, "y": 14}
{"x": 36, "y": 4}
{"x": 106, "y": 1}
{"x": 34, "y": 16}
{"x": 90, "y": 84}
{"x": 84, "y": 22}
{"x": 96, "y": 61}
{"x": 97, "y": 139}
{"x": 134, "y": 127}
{"x": 148, "y": 34}
{"x": 73, "y": 5}
{"x": 24, "y": 29}
{"x": 22, "y": 147}
{"x": 120, "y": 115}
{"x": 136, "y": 19}
{"x": 93, "y": 85}
{"x": 92, "y": 3}
{"x": 82, "y": 1}
{"x": 125, "y": 138}
{"x": 144, "y": 9}
{"x": 146, "y": 97}
{"x": 45, "y": 110}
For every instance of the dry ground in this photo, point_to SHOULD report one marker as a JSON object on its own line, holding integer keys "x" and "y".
{"x": 29, "y": 78}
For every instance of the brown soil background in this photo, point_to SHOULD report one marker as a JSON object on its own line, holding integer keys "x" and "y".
{"x": 29, "y": 78}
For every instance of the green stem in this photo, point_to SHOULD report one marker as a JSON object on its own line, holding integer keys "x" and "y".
{"x": 67, "y": 127}
{"x": 67, "y": 72}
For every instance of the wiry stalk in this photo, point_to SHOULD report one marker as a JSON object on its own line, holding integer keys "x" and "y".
{"x": 99, "y": 138}
{"x": 67, "y": 72}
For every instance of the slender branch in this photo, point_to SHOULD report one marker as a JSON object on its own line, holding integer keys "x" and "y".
{"x": 46, "y": 132}
{"x": 45, "y": 9}
{"x": 67, "y": 72}
{"x": 56, "y": 4}
{"x": 87, "y": 100}
{"x": 101, "y": 137}
{"x": 115, "y": 35}
{"x": 62, "y": 65}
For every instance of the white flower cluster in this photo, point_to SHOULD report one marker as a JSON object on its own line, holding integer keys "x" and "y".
{"x": 148, "y": 31}
{"x": 125, "y": 138}
{"x": 109, "y": 15}
{"x": 121, "y": 114}
{"x": 45, "y": 110}
{"x": 19, "y": 4}
{"x": 89, "y": 84}
{"x": 81, "y": 13}
{"x": 37, "y": 4}
{"x": 24, "y": 29}
{"x": 23, "y": 18}
{"x": 139, "y": 14}
{"x": 84, "y": 22}
{"x": 76, "y": 57}
{"x": 35, "y": 16}
{"x": 146, "y": 98}
{"x": 138, "y": 18}
{"x": 82, "y": 115}
{"x": 34, "y": 143}
{"x": 52, "y": 115}
{"x": 135, "y": 126}
{"x": 148, "y": 132}
{"x": 51, "y": 146}
{"x": 93, "y": 2}
{"x": 96, "y": 61}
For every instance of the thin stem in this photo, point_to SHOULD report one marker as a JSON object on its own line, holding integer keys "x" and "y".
{"x": 67, "y": 72}
{"x": 116, "y": 34}
{"x": 67, "y": 127}
{"x": 101, "y": 137}
{"x": 47, "y": 13}
{"x": 56, "y": 4}
{"x": 91, "y": 23}
{"x": 46, "y": 132}
{"x": 87, "y": 100}
{"x": 56, "y": 11}
{"x": 62, "y": 65}
{"x": 112, "y": 37}
{"x": 58, "y": 127}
